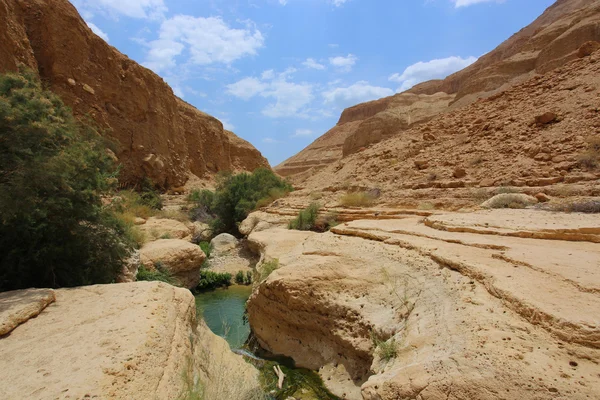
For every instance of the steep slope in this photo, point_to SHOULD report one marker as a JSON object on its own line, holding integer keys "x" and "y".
{"x": 549, "y": 42}
{"x": 539, "y": 133}
{"x": 158, "y": 134}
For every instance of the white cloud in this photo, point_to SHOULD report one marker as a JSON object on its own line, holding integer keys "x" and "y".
{"x": 434, "y": 69}
{"x": 289, "y": 98}
{"x": 344, "y": 64}
{"x": 465, "y": 3}
{"x": 97, "y": 31}
{"x": 246, "y": 88}
{"x": 312, "y": 64}
{"x": 152, "y": 9}
{"x": 338, "y": 3}
{"x": 303, "y": 132}
{"x": 208, "y": 40}
{"x": 270, "y": 140}
{"x": 359, "y": 92}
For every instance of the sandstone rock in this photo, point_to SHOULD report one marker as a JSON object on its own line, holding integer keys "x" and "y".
{"x": 542, "y": 197}
{"x": 89, "y": 89}
{"x": 545, "y": 118}
{"x": 510, "y": 200}
{"x": 201, "y": 232}
{"x": 161, "y": 228}
{"x": 421, "y": 164}
{"x": 18, "y": 307}
{"x": 180, "y": 258}
{"x": 428, "y": 137}
{"x": 71, "y": 82}
{"x": 139, "y": 221}
{"x": 587, "y": 49}
{"x": 223, "y": 243}
{"x": 124, "y": 341}
{"x": 459, "y": 173}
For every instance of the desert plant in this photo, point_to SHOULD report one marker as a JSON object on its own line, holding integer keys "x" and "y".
{"x": 212, "y": 280}
{"x": 240, "y": 277}
{"x": 54, "y": 172}
{"x": 206, "y": 248}
{"x": 267, "y": 268}
{"x": 306, "y": 219}
{"x": 590, "y": 159}
{"x": 357, "y": 199}
{"x": 159, "y": 273}
{"x": 386, "y": 349}
{"x": 583, "y": 206}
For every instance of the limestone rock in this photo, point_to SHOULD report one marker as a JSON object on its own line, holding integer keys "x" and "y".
{"x": 182, "y": 259}
{"x": 17, "y": 307}
{"x": 123, "y": 341}
{"x": 161, "y": 228}
{"x": 542, "y": 197}
{"x": 509, "y": 200}
{"x": 201, "y": 232}
{"x": 223, "y": 243}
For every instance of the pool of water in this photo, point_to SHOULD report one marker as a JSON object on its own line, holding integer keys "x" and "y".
{"x": 223, "y": 311}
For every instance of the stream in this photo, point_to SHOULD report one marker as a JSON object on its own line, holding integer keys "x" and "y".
{"x": 223, "y": 311}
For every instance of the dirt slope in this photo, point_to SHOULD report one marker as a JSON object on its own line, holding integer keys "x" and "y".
{"x": 158, "y": 134}
{"x": 549, "y": 42}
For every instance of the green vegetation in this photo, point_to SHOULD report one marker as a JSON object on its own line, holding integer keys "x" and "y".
{"x": 386, "y": 349}
{"x": 242, "y": 278}
{"x": 267, "y": 268}
{"x": 235, "y": 197}
{"x": 54, "y": 171}
{"x": 159, "y": 273}
{"x": 357, "y": 199}
{"x": 206, "y": 248}
{"x": 212, "y": 280}
{"x": 306, "y": 219}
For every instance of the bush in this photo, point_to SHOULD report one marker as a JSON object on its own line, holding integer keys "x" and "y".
{"x": 591, "y": 158}
{"x": 158, "y": 274}
{"x": 213, "y": 280}
{"x": 236, "y": 196}
{"x": 248, "y": 280}
{"x": 240, "y": 278}
{"x": 267, "y": 268}
{"x": 54, "y": 171}
{"x": 357, "y": 199}
{"x": 584, "y": 206}
{"x": 306, "y": 219}
{"x": 386, "y": 349}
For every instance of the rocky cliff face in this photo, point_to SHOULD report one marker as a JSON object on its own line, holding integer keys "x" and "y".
{"x": 549, "y": 42}
{"x": 158, "y": 134}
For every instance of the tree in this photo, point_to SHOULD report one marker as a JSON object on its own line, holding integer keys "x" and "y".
{"x": 54, "y": 231}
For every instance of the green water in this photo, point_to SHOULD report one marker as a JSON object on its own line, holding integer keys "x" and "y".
{"x": 223, "y": 311}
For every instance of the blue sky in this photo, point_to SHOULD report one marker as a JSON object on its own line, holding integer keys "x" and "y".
{"x": 279, "y": 72}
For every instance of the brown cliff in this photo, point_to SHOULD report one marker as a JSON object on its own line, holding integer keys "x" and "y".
{"x": 158, "y": 135}
{"x": 549, "y": 42}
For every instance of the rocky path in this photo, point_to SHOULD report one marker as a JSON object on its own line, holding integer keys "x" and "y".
{"x": 490, "y": 305}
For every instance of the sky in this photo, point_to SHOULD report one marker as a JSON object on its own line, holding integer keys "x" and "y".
{"x": 279, "y": 73}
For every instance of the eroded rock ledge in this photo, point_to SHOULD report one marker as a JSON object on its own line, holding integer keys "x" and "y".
{"x": 124, "y": 341}
{"x": 475, "y": 315}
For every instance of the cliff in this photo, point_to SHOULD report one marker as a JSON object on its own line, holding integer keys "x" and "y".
{"x": 158, "y": 135}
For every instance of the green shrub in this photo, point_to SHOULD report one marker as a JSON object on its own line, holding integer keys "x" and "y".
{"x": 54, "y": 171}
{"x": 357, "y": 199}
{"x": 212, "y": 280}
{"x": 267, "y": 268}
{"x": 158, "y": 274}
{"x": 235, "y": 197}
{"x": 386, "y": 349}
{"x": 240, "y": 278}
{"x": 306, "y": 219}
{"x": 206, "y": 248}
{"x": 149, "y": 195}
{"x": 248, "y": 280}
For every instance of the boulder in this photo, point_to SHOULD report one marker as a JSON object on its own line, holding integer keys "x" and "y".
{"x": 157, "y": 228}
{"x": 180, "y": 258}
{"x": 545, "y": 118}
{"x": 587, "y": 49}
{"x": 223, "y": 243}
{"x": 421, "y": 164}
{"x": 542, "y": 197}
{"x": 510, "y": 200}
{"x": 17, "y": 307}
{"x": 124, "y": 341}
{"x": 459, "y": 173}
{"x": 201, "y": 232}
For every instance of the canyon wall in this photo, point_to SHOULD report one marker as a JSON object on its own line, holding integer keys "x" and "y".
{"x": 157, "y": 134}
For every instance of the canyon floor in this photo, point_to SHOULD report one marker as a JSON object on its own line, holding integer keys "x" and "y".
{"x": 489, "y": 304}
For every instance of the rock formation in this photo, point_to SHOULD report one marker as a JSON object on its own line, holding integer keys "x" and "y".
{"x": 178, "y": 257}
{"x": 124, "y": 341}
{"x": 488, "y": 305}
{"x": 158, "y": 135}
{"x": 549, "y": 42}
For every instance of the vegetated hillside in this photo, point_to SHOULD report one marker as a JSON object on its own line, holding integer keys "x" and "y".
{"x": 158, "y": 135}
{"x": 549, "y": 42}
{"x": 541, "y": 132}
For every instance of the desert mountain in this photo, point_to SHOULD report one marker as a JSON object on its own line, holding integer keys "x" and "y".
{"x": 549, "y": 42}
{"x": 158, "y": 134}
